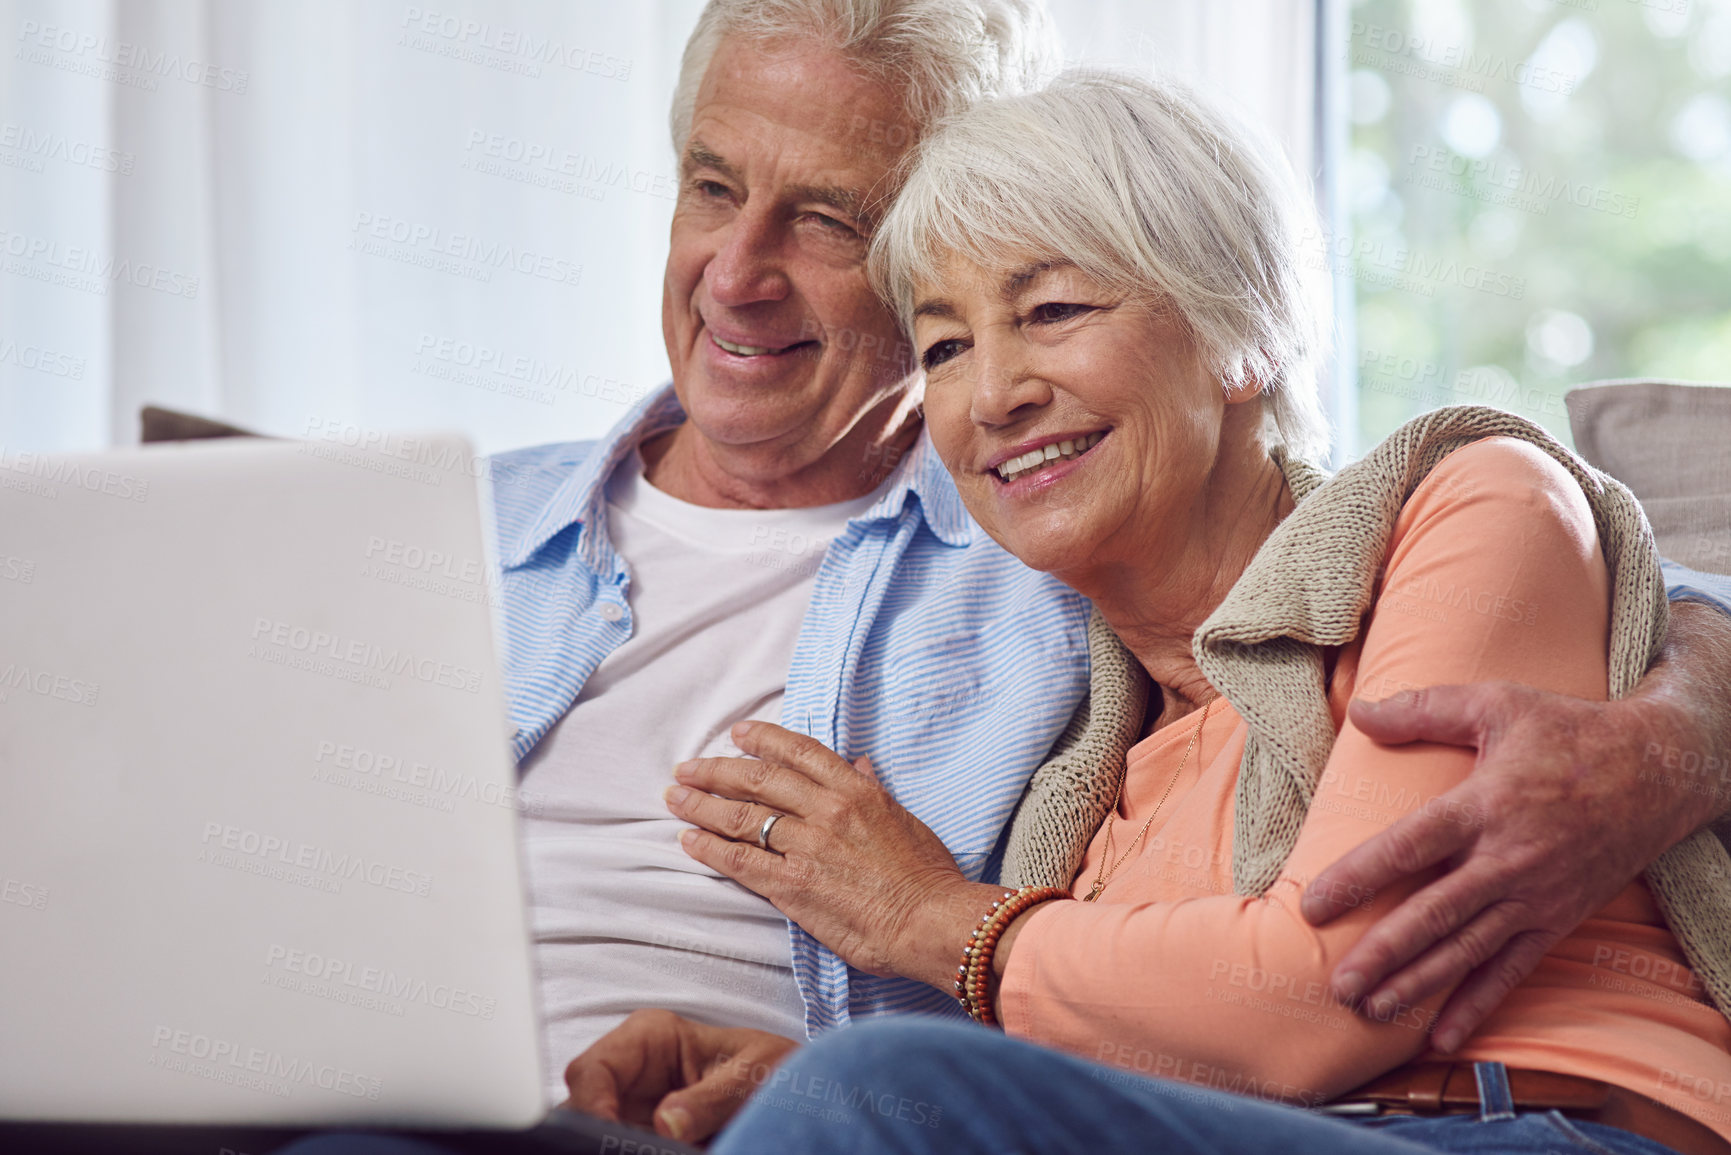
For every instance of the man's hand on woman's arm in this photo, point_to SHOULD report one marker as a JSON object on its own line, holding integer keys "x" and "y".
{"x": 1569, "y": 802}
{"x": 684, "y": 1079}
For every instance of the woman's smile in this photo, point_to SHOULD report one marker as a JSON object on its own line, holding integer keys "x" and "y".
{"x": 1044, "y": 457}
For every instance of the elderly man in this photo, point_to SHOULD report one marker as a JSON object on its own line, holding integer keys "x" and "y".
{"x": 773, "y": 538}
{"x": 770, "y": 538}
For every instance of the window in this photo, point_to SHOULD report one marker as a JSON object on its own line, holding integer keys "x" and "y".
{"x": 1539, "y": 195}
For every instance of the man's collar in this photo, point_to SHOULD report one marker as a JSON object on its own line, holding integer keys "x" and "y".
{"x": 921, "y": 473}
{"x": 578, "y": 499}
{"x": 580, "y": 496}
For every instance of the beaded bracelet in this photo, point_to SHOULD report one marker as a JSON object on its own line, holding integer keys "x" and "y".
{"x": 973, "y": 977}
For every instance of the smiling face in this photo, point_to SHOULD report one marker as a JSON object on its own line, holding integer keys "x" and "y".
{"x": 779, "y": 347}
{"x": 1080, "y": 425}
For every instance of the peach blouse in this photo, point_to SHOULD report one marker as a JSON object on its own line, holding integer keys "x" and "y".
{"x": 1494, "y": 572}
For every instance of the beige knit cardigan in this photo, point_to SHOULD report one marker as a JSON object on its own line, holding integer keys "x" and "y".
{"x": 1308, "y": 588}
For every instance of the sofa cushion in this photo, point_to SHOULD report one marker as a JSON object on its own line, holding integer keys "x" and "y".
{"x": 1671, "y": 443}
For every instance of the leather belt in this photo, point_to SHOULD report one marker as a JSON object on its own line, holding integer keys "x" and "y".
{"x": 1435, "y": 1088}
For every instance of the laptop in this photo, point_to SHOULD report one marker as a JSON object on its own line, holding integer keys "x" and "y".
{"x": 258, "y": 853}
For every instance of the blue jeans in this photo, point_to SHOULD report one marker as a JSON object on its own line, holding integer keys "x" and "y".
{"x": 924, "y": 1087}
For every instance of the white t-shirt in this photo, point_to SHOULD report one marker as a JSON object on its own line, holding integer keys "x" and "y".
{"x": 623, "y": 917}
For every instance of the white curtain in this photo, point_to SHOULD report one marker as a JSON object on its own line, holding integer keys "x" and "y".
{"x": 400, "y": 216}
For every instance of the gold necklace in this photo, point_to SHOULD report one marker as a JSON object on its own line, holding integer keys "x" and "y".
{"x": 1104, "y": 875}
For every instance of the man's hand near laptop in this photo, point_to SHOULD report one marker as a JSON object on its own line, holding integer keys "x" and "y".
{"x": 1570, "y": 801}
{"x": 683, "y": 1079}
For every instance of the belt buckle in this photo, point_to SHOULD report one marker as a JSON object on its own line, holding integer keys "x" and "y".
{"x": 1363, "y": 1108}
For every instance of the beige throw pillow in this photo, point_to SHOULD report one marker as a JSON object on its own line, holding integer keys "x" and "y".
{"x": 1671, "y": 443}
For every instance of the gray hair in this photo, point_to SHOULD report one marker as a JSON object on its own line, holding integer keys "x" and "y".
{"x": 944, "y": 54}
{"x": 1141, "y": 186}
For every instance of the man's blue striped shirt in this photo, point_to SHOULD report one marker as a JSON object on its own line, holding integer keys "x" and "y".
{"x": 925, "y": 646}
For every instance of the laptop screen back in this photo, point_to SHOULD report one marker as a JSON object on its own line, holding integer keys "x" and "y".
{"x": 258, "y": 858}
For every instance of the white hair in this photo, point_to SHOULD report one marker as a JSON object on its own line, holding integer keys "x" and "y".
{"x": 942, "y": 54}
{"x": 1141, "y": 186}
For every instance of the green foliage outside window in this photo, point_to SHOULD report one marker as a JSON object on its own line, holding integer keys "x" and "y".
{"x": 1540, "y": 196}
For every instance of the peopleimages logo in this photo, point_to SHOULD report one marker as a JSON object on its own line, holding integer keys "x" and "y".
{"x": 221, "y": 1060}
{"x": 375, "y": 980}
{"x": 91, "y": 477}
{"x": 93, "y": 55}
{"x": 442, "y": 250}
{"x": 19, "y": 893}
{"x": 542, "y": 164}
{"x": 1531, "y": 190}
{"x": 521, "y": 367}
{"x": 483, "y": 42}
{"x": 225, "y": 842}
{"x": 47, "y": 684}
{"x": 85, "y": 269}
{"x": 410, "y": 779}
{"x": 1383, "y": 265}
{"x": 40, "y": 146}
{"x": 430, "y": 561}
{"x": 41, "y": 360}
{"x": 365, "y": 655}
{"x": 1463, "y": 66}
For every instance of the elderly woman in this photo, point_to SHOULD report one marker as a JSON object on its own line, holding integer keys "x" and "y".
{"x": 1103, "y": 283}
